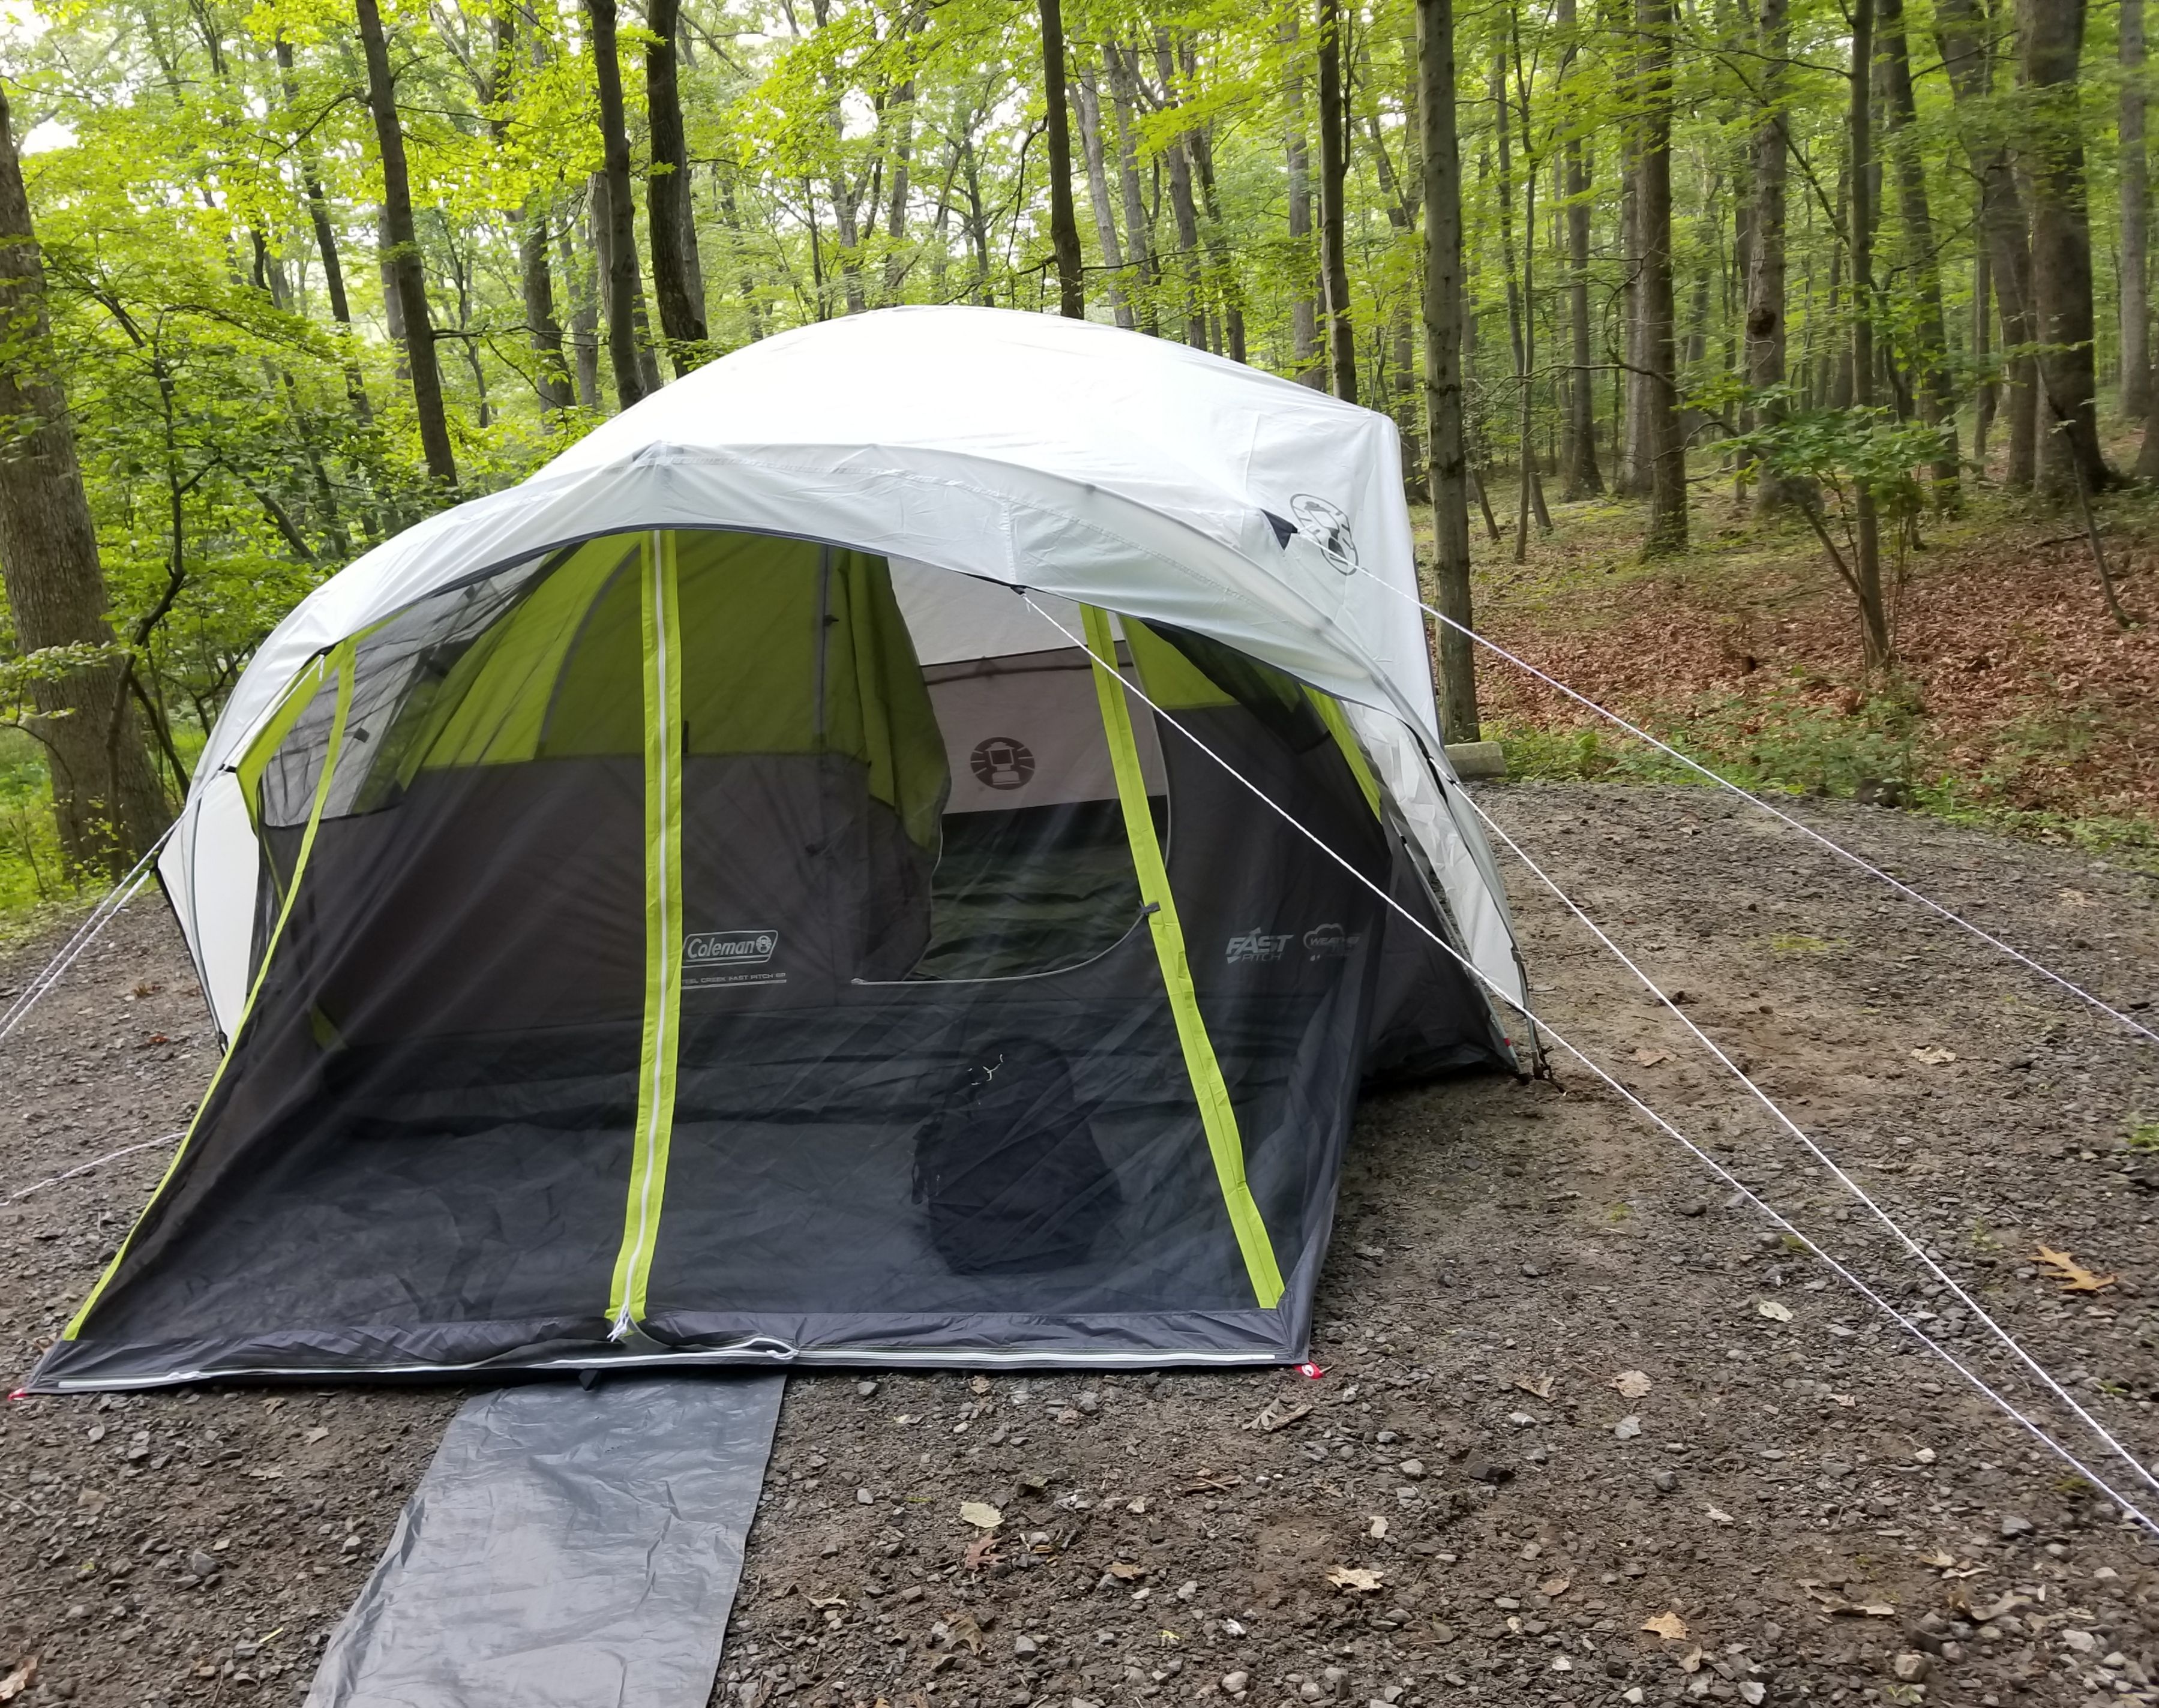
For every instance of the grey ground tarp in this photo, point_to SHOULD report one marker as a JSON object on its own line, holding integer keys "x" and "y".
{"x": 568, "y": 1549}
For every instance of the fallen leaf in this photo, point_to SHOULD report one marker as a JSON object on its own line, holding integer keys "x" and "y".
{"x": 1716, "y": 1516}
{"x": 1358, "y": 1578}
{"x": 828, "y": 1601}
{"x": 1377, "y": 1529}
{"x": 1691, "y": 1662}
{"x": 1126, "y": 1570}
{"x": 1628, "y": 1428}
{"x": 966, "y": 1630}
{"x": 266, "y": 1471}
{"x": 1838, "y": 1604}
{"x": 978, "y": 1384}
{"x": 1752, "y": 1691}
{"x": 1940, "y": 1559}
{"x": 316, "y": 1434}
{"x": 981, "y": 1514}
{"x": 981, "y": 1552}
{"x": 1204, "y": 1481}
{"x": 2073, "y": 1276}
{"x": 1649, "y": 1058}
{"x": 2074, "y": 898}
{"x": 1632, "y": 1385}
{"x": 1540, "y": 1386}
{"x": 1933, "y": 1056}
{"x": 18, "y": 1680}
{"x": 1668, "y": 1626}
{"x": 1137, "y": 1505}
{"x": 1280, "y": 1414}
{"x": 1553, "y": 1586}
{"x": 1773, "y": 1311}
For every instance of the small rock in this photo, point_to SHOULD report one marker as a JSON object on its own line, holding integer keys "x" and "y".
{"x": 1493, "y": 1473}
{"x": 864, "y": 1498}
{"x": 1696, "y": 1208}
{"x": 201, "y": 1564}
{"x": 2013, "y": 1526}
{"x": 1024, "y": 1646}
{"x": 1188, "y": 1589}
{"x": 1912, "y": 1667}
{"x": 1310, "y": 1690}
{"x": 1522, "y": 1420}
{"x": 2081, "y": 1641}
{"x": 1233, "y": 1684}
{"x": 1626, "y": 1428}
{"x": 1665, "y": 1482}
{"x": 1089, "y": 1401}
{"x": 1411, "y": 1468}
{"x": 867, "y": 1388}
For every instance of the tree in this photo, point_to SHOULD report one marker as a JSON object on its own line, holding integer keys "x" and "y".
{"x": 1441, "y": 197}
{"x": 1334, "y": 218}
{"x": 614, "y": 222}
{"x": 2069, "y": 459}
{"x": 667, "y": 208}
{"x": 1936, "y": 396}
{"x": 1666, "y": 448}
{"x": 1578, "y": 459}
{"x": 1866, "y": 554}
{"x": 1064, "y": 218}
{"x": 1765, "y": 325}
{"x": 407, "y": 274}
{"x": 105, "y": 799}
{"x": 2133, "y": 179}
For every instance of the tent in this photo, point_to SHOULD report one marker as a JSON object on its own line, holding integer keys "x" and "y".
{"x": 901, "y": 848}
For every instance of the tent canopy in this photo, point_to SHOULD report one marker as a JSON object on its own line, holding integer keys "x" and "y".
{"x": 786, "y": 882}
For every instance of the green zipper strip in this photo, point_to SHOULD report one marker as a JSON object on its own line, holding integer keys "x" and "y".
{"x": 1338, "y": 726}
{"x": 1216, "y": 1113}
{"x": 663, "y": 930}
{"x": 338, "y": 661}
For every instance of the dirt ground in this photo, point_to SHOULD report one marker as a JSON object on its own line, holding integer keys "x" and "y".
{"x": 1570, "y": 1387}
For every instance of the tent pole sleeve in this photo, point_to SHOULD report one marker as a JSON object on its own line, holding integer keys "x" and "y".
{"x": 1217, "y": 1114}
{"x": 1330, "y": 714}
{"x": 662, "y": 927}
{"x": 338, "y": 660}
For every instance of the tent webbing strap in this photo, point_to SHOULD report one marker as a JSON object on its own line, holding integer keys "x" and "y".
{"x": 1217, "y": 1114}
{"x": 337, "y": 662}
{"x": 662, "y": 631}
{"x": 1338, "y": 726}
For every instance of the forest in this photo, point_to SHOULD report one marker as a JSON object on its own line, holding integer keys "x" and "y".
{"x": 281, "y": 279}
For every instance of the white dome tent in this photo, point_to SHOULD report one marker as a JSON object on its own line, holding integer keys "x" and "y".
{"x": 638, "y": 901}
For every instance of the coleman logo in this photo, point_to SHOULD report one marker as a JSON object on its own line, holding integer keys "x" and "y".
{"x": 1002, "y": 762}
{"x": 729, "y": 949}
{"x": 1330, "y": 942}
{"x": 1327, "y": 524}
{"x": 1257, "y": 946}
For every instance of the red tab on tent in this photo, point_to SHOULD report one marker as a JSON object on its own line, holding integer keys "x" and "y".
{"x": 1310, "y": 1370}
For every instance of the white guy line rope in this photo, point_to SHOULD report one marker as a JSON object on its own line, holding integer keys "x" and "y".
{"x": 1836, "y": 848}
{"x": 1745, "y": 1193}
{"x": 84, "y": 1167}
{"x": 85, "y": 935}
{"x": 1827, "y": 1162}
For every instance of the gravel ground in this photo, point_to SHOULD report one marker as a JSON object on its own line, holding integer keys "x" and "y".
{"x": 1572, "y": 1386}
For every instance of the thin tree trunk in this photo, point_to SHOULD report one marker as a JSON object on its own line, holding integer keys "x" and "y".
{"x": 667, "y": 203}
{"x": 584, "y": 315}
{"x": 1440, "y": 194}
{"x": 1867, "y": 571}
{"x": 1936, "y": 390}
{"x": 896, "y": 258}
{"x": 1090, "y": 103}
{"x": 1582, "y": 478}
{"x": 1064, "y": 218}
{"x": 1766, "y": 329}
{"x": 2133, "y": 176}
{"x": 1333, "y": 184}
{"x": 406, "y": 275}
{"x": 1305, "y": 364}
{"x": 106, "y": 802}
{"x": 1667, "y": 451}
{"x": 1982, "y": 312}
{"x": 1637, "y": 452}
{"x": 1139, "y": 239}
{"x": 551, "y": 378}
{"x": 1226, "y": 286}
{"x": 614, "y": 218}
{"x": 1179, "y": 157}
{"x": 2069, "y": 460}
{"x": 326, "y": 248}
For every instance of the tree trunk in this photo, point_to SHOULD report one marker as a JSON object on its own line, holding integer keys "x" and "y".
{"x": 408, "y": 276}
{"x": 1440, "y": 194}
{"x": 1766, "y": 352}
{"x": 1178, "y": 156}
{"x": 1867, "y": 571}
{"x": 1306, "y": 367}
{"x": 1936, "y": 390}
{"x": 1333, "y": 184}
{"x": 1064, "y": 218}
{"x": 551, "y": 378}
{"x": 1982, "y": 312}
{"x": 1090, "y": 103}
{"x": 2054, "y": 32}
{"x": 614, "y": 215}
{"x": 896, "y": 258}
{"x": 326, "y": 249}
{"x": 1666, "y": 450}
{"x": 1960, "y": 34}
{"x": 2132, "y": 174}
{"x": 1139, "y": 234}
{"x": 106, "y": 801}
{"x": 1578, "y": 457}
{"x": 584, "y": 315}
{"x": 1636, "y": 454}
{"x": 1225, "y": 286}
{"x": 667, "y": 202}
